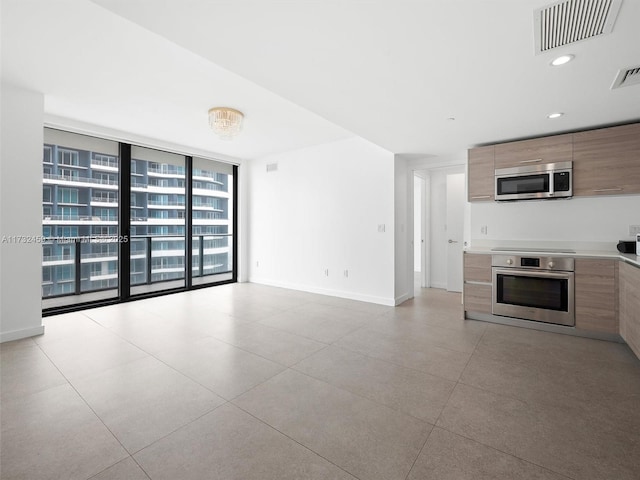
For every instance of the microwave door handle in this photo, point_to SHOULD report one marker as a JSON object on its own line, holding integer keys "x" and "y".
{"x": 551, "y": 183}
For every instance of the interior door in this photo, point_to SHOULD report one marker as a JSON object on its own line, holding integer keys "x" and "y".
{"x": 455, "y": 227}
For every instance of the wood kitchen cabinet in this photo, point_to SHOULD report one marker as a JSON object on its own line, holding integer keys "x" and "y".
{"x": 607, "y": 161}
{"x": 596, "y": 295}
{"x": 477, "y": 283}
{"x": 477, "y": 267}
{"x": 537, "y": 151}
{"x": 629, "y": 306}
{"x": 481, "y": 174}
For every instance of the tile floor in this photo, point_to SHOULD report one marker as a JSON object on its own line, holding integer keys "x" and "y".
{"x": 251, "y": 382}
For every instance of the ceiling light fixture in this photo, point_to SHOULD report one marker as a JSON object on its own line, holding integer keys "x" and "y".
{"x": 225, "y": 122}
{"x": 561, "y": 60}
{"x": 555, "y": 115}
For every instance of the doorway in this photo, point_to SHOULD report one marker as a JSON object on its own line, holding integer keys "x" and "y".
{"x": 420, "y": 230}
{"x": 439, "y": 205}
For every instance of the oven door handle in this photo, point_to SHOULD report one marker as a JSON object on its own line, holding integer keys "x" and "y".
{"x": 531, "y": 273}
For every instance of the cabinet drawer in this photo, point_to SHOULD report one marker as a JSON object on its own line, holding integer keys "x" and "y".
{"x": 477, "y": 298}
{"x": 477, "y": 267}
{"x": 537, "y": 151}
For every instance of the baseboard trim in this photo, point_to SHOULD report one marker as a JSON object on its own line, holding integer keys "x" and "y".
{"x": 402, "y": 299}
{"x": 390, "y": 302}
{"x": 20, "y": 334}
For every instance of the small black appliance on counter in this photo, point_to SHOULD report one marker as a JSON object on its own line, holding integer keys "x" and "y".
{"x": 627, "y": 247}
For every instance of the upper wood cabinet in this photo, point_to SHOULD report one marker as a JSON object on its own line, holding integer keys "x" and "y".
{"x": 607, "y": 161}
{"x": 537, "y": 151}
{"x": 481, "y": 174}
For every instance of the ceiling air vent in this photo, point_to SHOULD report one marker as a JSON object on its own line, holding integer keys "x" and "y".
{"x": 627, "y": 77}
{"x": 570, "y": 21}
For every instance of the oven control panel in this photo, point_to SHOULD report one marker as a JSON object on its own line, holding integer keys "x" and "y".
{"x": 534, "y": 262}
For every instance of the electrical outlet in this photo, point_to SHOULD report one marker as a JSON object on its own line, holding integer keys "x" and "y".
{"x": 634, "y": 230}
{"x": 326, "y": 272}
{"x": 257, "y": 264}
{"x": 346, "y": 273}
{"x": 484, "y": 229}
{"x": 381, "y": 228}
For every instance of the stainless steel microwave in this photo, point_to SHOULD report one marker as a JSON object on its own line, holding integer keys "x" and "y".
{"x": 529, "y": 182}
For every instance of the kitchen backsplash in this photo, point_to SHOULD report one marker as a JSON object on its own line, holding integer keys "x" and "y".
{"x": 595, "y": 222}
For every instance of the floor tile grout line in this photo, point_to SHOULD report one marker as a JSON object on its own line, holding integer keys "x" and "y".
{"x": 200, "y": 338}
{"x": 309, "y": 356}
{"x": 153, "y": 355}
{"x": 461, "y": 382}
{"x": 420, "y": 452}
{"x": 362, "y": 396}
{"x": 117, "y": 366}
{"x": 111, "y": 466}
{"x": 532, "y": 403}
{"x": 432, "y": 344}
{"x": 507, "y": 453}
{"x": 293, "y": 440}
{"x": 204, "y": 335}
{"x": 458, "y": 380}
{"x": 322, "y": 322}
{"x": 188, "y": 377}
{"x": 344, "y": 390}
{"x": 179, "y": 428}
{"x": 88, "y": 406}
{"x": 395, "y": 363}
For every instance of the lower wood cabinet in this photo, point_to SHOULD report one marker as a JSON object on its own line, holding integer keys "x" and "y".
{"x": 477, "y": 283}
{"x": 629, "y": 296}
{"x": 477, "y": 267}
{"x": 477, "y": 298}
{"x": 596, "y": 295}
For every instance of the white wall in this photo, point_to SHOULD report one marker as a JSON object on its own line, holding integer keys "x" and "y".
{"x": 320, "y": 210}
{"x": 20, "y": 213}
{"x": 594, "y": 222}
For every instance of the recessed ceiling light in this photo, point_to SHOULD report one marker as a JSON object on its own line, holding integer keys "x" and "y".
{"x": 555, "y": 115}
{"x": 561, "y": 60}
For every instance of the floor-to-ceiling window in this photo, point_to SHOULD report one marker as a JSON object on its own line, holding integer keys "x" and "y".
{"x": 212, "y": 221}
{"x": 79, "y": 218}
{"x": 97, "y": 200}
{"x": 158, "y": 220}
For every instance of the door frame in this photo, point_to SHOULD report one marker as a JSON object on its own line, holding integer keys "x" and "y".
{"x": 425, "y": 171}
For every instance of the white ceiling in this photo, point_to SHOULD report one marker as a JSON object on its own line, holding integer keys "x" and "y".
{"x": 391, "y": 71}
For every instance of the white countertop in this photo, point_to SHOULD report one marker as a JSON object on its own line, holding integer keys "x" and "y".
{"x": 576, "y": 253}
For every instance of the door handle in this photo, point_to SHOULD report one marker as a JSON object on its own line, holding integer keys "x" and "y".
{"x": 453, "y": 241}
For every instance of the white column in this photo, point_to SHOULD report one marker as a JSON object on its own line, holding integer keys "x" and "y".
{"x": 21, "y": 122}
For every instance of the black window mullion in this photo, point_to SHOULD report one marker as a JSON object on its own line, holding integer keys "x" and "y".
{"x": 188, "y": 228}
{"x": 124, "y": 223}
{"x": 234, "y": 238}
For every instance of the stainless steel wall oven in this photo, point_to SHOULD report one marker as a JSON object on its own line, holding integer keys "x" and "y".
{"x": 534, "y": 288}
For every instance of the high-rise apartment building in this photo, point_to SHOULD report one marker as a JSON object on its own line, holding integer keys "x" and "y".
{"x": 81, "y": 212}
